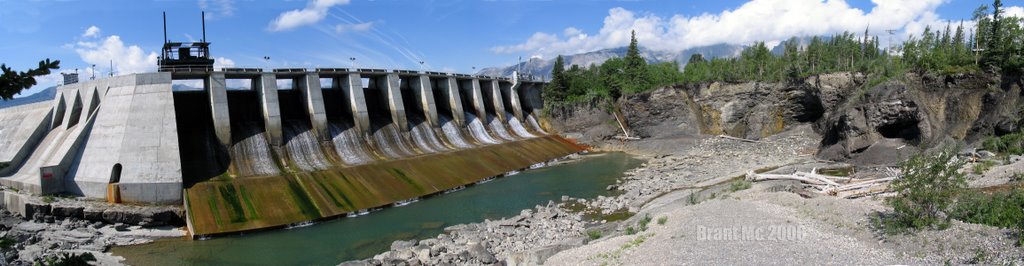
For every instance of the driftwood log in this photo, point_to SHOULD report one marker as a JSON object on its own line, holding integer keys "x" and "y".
{"x": 845, "y": 187}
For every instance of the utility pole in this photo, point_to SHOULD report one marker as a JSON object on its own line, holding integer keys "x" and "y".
{"x": 353, "y": 59}
{"x": 93, "y": 72}
{"x": 266, "y": 59}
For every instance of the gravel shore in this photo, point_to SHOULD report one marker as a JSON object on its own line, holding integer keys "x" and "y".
{"x": 685, "y": 210}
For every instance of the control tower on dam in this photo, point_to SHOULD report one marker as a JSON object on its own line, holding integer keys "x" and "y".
{"x": 134, "y": 138}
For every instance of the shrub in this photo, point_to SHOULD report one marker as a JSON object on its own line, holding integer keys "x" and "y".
{"x": 981, "y": 167}
{"x": 630, "y": 230}
{"x": 1008, "y": 144}
{"x": 593, "y": 234}
{"x": 740, "y": 185}
{"x": 662, "y": 220}
{"x": 642, "y": 225}
{"x": 925, "y": 192}
{"x": 1001, "y": 209}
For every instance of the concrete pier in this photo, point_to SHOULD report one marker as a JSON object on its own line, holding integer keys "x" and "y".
{"x": 494, "y": 96}
{"x": 217, "y": 90}
{"x": 313, "y": 98}
{"x": 509, "y": 92}
{"x": 266, "y": 87}
{"x": 389, "y": 86}
{"x": 424, "y": 93}
{"x": 449, "y": 87}
{"x": 471, "y": 89}
{"x": 352, "y": 89}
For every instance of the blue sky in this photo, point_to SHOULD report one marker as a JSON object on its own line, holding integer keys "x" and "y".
{"x": 445, "y": 35}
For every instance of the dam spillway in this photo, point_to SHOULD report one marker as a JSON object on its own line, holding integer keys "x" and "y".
{"x": 330, "y": 143}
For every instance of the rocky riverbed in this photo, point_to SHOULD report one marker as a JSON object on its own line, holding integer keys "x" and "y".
{"x": 534, "y": 235}
{"x": 49, "y": 227}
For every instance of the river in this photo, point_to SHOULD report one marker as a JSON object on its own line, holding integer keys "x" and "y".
{"x": 331, "y": 242}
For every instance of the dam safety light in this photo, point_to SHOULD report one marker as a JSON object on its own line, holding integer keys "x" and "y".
{"x": 186, "y": 57}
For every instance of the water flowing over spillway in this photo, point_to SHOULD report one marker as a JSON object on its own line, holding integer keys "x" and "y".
{"x": 453, "y": 133}
{"x": 425, "y": 138}
{"x": 534, "y": 124}
{"x": 390, "y": 142}
{"x": 303, "y": 148}
{"x": 499, "y": 128}
{"x": 518, "y": 127}
{"x": 349, "y": 144}
{"x": 477, "y": 129}
{"x": 251, "y": 156}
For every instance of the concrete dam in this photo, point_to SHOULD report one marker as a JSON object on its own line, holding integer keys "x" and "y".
{"x": 285, "y": 146}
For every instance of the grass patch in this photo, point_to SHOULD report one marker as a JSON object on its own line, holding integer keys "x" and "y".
{"x": 630, "y": 230}
{"x": 981, "y": 167}
{"x": 740, "y": 185}
{"x": 1001, "y": 209}
{"x": 1005, "y": 144}
{"x": 662, "y": 220}
{"x": 593, "y": 234}
{"x": 644, "y": 222}
{"x": 306, "y": 207}
{"x": 49, "y": 199}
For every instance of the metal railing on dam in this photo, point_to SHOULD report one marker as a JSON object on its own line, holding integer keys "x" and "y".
{"x": 327, "y": 142}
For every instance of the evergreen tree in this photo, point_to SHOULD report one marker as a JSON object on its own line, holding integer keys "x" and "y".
{"x": 13, "y": 82}
{"x": 557, "y": 90}
{"x": 635, "y": 67}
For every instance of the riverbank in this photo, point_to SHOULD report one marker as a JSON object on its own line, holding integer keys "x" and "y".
{"x": 48, "y": 227}
{"x": 687, "y": 205}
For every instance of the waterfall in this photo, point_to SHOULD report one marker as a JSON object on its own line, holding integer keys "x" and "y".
{"x": 534, "y": 124}
{"x": 476, "y": 128}
{"x": 303, "y": 148}
{"x": 390, "y": 142}
{"x": 349, "y": 144}
{"x": 499, "y": 128}
{"x": 453, "y": 133}
{"x": 251, "y": 156}
{"x": 424, "y": 137}
{"x": 518, "y": 127}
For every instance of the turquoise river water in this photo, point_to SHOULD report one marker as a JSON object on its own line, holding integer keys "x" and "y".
{"x": 331, "y": 242}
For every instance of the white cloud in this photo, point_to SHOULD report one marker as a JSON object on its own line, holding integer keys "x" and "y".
{"x": 314, "y": 12}
{"x": 222, "y": 62}
{"x": 756, "y": 20}
{"x": 126, "y": 58}
{"x": 218, "y": 8}
{"x": 343, "y": 28}
{"x": 91, "y": 32}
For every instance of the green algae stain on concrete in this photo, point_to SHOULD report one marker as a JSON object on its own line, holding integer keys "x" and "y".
{"x": 249, "y": 203}
{"x": 398, "y": 173}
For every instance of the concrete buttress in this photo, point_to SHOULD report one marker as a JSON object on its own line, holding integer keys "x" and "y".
{"x": 425, "y": 95}
{"x": 352, "y": 88}
{"x": 215, "y": 87}
{"x": 266, "y": 87}
{"x": 313, "y": 98}
{"x": 450, "y": 89}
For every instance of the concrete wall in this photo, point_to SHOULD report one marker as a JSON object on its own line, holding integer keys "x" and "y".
{"x": 21, "y": 130}
{"x": 530, "y": 97}
{"x": 217, "y": 90}
{"x": 313, "y": 98}
{"x": 424, "y": 92}
{"x": 449, "y": 87}
{"x": 135, "y": 126}
{"x": 266, "y": 88}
